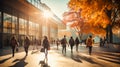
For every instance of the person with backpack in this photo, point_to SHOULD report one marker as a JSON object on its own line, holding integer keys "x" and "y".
{"x": 89, "y": 44}
{"x": 13, "y": 44}
{"x": 26, "y": 45}
{"x": 63, "y": 43}
{"x": 71, "y": 42}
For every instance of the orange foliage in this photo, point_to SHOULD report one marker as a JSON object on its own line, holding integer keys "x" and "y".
{"x": 88, "y": 16}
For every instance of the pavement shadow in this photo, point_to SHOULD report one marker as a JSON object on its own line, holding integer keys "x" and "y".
{"x": 89, "y": 59}
{"x": 110, "y": 57}
{"x": 75, "y": 58}
{"x": 2, "y": 61}
{"x": 19, "y": 62}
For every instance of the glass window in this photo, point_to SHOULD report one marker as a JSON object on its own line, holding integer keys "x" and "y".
{"x": 25, "y": 27}
{"x": 35, "y": 3}
{"x": 7, "y": 23}
{"x": 33, "y": 28}
{"x": 14, "y": 24}
{"x": 22, "y": 25}
{"x": 45, "y": 30}
{"x": 37, "y": 30}
{"x": 29, "y": 1}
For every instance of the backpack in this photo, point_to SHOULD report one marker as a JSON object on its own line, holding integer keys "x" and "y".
{"x": 62, "y": 41}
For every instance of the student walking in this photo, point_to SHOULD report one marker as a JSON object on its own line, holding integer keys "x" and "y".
{"x": 89, "y": 42}
{"x": 13, "y": 43}
{"x": 46, "y": 46}
{"x": 77, "y": 43}
{"x": 64, "y": 42}
{"x": 71, "y": 42}
{"x": 26, "y": 45}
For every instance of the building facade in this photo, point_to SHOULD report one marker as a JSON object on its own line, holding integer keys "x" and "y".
{"x": 22, "y": 18}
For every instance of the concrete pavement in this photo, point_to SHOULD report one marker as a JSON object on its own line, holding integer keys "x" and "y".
{"x": 100, "y": 57}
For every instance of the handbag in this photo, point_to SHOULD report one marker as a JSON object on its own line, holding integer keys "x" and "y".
{"x": 42, "y": 50}
{"x": 17, "y": 49}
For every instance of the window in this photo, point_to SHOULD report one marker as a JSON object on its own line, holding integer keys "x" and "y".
{"x": 25, "y": 27}
{"x": 37, "y": 30}
{"x": 22, "y": 26}
{"x": 29, "y": 1}
{"x": 33, "y": 28}
{"x": 7, "y": 23}
{"x": 30, "y": 28}
{"x": 14, "y": 24}
{"x": 35, "y": 3}
{"x": 45, "y": 30}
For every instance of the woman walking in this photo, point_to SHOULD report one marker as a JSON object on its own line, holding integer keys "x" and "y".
{"x": 26, "y": 45}
{"x": 13, "y": 43}
{"x": 46, "y": 46}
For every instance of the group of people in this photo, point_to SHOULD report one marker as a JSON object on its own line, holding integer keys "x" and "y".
{"x": 76, "y": 42}
{"x": 14, "y": 44}
{"x": 103, "y": 42}
{"x": 46, "y": 44}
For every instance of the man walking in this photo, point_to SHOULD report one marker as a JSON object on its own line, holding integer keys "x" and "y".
{"x": 64, "y": 42}
{"x": 71, "y": 42}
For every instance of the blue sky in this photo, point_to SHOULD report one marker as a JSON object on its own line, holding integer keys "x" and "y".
{"x": 57, "y": 6}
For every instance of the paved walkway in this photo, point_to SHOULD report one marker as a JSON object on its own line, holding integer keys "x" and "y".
{"x": 101, "y": 57}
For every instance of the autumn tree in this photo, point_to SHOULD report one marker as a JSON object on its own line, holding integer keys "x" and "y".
{"x": 98, "y": 14}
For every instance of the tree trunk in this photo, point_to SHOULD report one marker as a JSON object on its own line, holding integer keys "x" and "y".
{"x": 80, "y": 35}
{"x": 109, "y": 34}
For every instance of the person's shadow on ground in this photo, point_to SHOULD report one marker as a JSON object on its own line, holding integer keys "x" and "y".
{"x": 75, "y": 58}
{"x": 90, "y": 60}
{"x": 2, "y": 61}
{"x": 20, "y": 62}
{"x": 43, "y": 64}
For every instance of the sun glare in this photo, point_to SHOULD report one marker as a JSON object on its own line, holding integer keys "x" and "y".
{"x": 47, "y": 14}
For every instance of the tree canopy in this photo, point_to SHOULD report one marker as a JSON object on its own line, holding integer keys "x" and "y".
{"x": 93, "y": 15}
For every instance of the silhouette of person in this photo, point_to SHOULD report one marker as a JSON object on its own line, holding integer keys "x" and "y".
{"x": 77, "y": 43}
{"x": 13, "y": 43}
{"x": 64, "y": 42}
{"x": 89, "y": 42}
{"x": 26, "y": 45}
{"x": 46, "y": 46}
{"x": 71, "y": 42}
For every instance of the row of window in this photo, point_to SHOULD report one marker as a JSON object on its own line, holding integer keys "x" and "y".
{"x": 12, "y": 24}
{"x": 37, "y": 4}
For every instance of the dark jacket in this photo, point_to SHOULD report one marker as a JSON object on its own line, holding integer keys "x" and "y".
{"x": 76, "y": 41}
{"x": 46, "y": 43}
{"x": 71, "y": 42}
